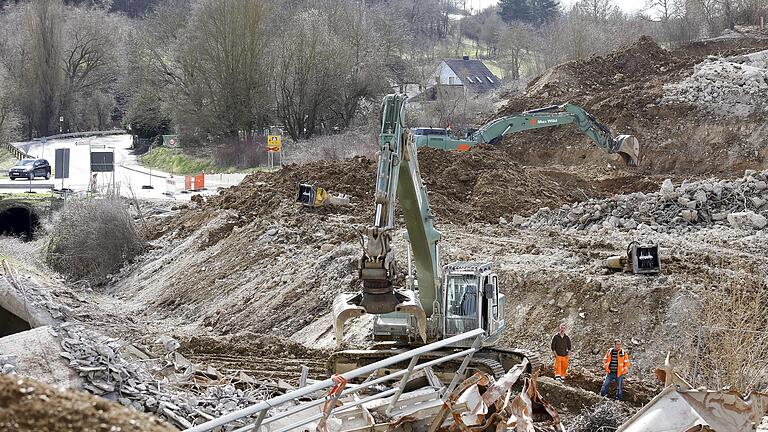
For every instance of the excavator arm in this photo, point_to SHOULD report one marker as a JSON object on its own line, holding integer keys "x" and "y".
{"x": 398, "y": 179}
{"x": 626, "y": 146}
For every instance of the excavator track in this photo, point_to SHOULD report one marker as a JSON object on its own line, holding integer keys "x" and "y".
{"x": 496, "y": 368}
{"x": 493, "y": 360}
{"x": 534, "y": 360}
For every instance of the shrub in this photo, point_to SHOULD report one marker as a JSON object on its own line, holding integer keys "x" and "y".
{"x": 250, "y": 152}
{"x": 92, "y": 238}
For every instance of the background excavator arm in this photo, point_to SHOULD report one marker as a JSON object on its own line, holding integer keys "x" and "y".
{"x": 626, "y": 146}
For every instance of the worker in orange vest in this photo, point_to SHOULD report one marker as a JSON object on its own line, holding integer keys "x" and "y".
{"x": 616, "y": 365}
{"x": 561, "y": 349}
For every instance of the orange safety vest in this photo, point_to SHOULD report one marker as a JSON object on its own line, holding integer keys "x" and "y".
{"x": 623, "y": 362}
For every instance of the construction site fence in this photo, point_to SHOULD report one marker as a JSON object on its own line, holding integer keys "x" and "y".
{"x": 261, "y": 410}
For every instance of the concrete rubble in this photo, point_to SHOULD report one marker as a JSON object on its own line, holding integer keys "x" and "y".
{"x": 741, "y": 203}
{"x": 734, "y": 86}
{"x": 170, "y": 387}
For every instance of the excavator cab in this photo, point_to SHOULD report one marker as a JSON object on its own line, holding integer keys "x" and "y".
{"x": 471, "y": 300}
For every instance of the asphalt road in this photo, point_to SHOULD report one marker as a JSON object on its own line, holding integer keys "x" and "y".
{"x": 129, "y": 177}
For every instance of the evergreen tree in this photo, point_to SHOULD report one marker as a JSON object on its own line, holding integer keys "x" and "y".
{"x": 534, "y": 12}
{"x": 544, "y": 11}
{"x": 515, "y": 10}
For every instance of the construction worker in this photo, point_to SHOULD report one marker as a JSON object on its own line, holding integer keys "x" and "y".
{"x": 561, "y": 349}
{"x": 616, "y": 365}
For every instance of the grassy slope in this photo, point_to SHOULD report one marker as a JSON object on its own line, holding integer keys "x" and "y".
{"x": 6, "y": 161}
{"x": 176, "y": 162}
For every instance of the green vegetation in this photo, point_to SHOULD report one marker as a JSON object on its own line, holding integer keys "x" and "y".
{"x": 7, "y": 160}
{"x": 177, "y": 161}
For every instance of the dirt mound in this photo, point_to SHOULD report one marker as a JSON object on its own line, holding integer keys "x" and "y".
{"x": 27, "y": 405}
{"x": 480, "y": 185}
{"x": 625, "y": 90}
{"x": 484, "y": 184}
{"x": 581, "y": 78}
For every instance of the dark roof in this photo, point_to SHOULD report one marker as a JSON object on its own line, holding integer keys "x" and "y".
{"x": 470, "y": 70}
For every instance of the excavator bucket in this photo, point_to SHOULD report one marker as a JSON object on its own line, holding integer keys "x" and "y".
{"x": 311, "y": 195}
{"x": 307, "y": 194}
{"x": 352, "y": 305}
{"x": 628, "y": 147}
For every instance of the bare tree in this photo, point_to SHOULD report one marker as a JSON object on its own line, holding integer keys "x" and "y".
{"x": 517, "y": 42}
{"x": 596, "y": 10}
{"x": 45, "y": 26}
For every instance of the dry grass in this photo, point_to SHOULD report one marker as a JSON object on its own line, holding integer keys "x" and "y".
{"x": 332, "y": 147}
{"x": 734, "y": 333}
{"x": 90, "y": 239}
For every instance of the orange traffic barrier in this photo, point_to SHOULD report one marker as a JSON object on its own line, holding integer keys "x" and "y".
{"x": 194, "y": 183}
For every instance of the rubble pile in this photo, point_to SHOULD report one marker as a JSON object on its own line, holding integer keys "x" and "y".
{"x": 740, "y": 203}
{"x": 733, "y": 86}
{"x": 183, "y": 395}
{"x": 607, "y": 415}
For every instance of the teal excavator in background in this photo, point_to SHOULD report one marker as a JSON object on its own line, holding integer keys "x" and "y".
{"x": 492, "y": 132}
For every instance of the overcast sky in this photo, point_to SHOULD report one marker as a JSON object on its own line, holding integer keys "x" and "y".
{"x": 626, "y": 5}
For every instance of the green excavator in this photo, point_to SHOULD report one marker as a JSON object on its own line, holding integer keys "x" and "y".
{"x": 492, "y": 132}
{"x": 439, "y": 301}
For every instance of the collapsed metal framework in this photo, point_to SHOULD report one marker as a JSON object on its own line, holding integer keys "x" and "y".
{"x": 261, "y": 410}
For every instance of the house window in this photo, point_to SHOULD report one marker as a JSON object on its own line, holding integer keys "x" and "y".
{"x": 450, "y": 81}
{"x": 489, "y": 80}
{"x": 469, "y": 78}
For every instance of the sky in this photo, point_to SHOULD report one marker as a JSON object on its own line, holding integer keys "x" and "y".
{"x": 625, "y": 5}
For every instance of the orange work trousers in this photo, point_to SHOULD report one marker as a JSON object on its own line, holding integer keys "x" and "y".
{"x": 561, "y": 366}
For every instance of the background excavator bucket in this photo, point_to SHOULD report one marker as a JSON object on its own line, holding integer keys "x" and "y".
{"x": 628, "y": 147}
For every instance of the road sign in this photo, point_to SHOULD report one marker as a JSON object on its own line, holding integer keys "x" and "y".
{"x": 102, "y": 161}
{"x": 273, "y": 143}
{"x": 170, "y": 140}
{"x": 61, "y": 164}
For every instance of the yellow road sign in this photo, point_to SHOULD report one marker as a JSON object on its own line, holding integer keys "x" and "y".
{"x": 273, "y": 143}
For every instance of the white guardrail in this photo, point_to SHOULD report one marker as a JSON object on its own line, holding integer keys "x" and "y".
{"x": 260, "y": 411}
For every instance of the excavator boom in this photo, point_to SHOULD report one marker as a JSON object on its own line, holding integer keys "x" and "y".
{"x": 397, "y": 180}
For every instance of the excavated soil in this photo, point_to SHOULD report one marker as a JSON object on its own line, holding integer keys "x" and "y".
{"x": 624, "y": 90}
{"x": 30, "y": 406}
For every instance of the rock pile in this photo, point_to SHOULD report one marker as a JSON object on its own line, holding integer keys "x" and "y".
{"x": 184, "y": 395}
{"x": 740, "y": 203}
{"x": 734, "y": 86}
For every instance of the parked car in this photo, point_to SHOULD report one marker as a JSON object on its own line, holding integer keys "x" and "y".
{"x": 30, "y": 168}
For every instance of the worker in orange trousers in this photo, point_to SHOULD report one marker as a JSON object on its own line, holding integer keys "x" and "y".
{"x": 561, "y": 348}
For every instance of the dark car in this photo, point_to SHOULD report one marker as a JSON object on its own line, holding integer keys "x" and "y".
{"x": 30, "y": 168}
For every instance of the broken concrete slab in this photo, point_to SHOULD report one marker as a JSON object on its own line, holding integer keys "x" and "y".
{"x": 37, "y": 356}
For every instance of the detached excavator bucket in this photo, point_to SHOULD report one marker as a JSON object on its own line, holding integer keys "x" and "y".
{"x": 307, "y": 194}
{"x": 351, "y": 305}
{"x": 312, "y": 195}
{"x": 628, "y": 147}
